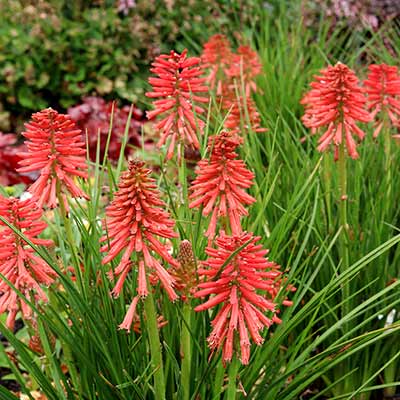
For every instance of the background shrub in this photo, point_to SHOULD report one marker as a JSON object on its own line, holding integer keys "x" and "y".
{"x": 52, "y": 53}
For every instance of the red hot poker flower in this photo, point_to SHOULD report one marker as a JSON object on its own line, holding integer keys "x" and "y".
{"x": 383, "y": 88}
{"x": 246, "y": 65}
{"x": 220, "y": 183}
{"x": 56, "y": 149}
{"x": 217, "y": 56}
{"x": 18, "y": 262}
{"x": 177, "y": 83}
{"x": 242, "y": 116}
{"x": 133, "y": 219}
{"x": 236, "y": 287}
{"x": 336, "y": 101}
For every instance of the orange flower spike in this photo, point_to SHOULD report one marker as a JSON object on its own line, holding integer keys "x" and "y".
{"x": 177, "y": 85}
{"x": 237, "y": 288}
{"x": 246, "y": 65}
{"x": 383, "y": 89}
{"x": 337, "y": 102}
{"x": 56, "y": 149}
{"x": 217, "y": 56}
{"x": 220, "y": 184}
{"x": 133, "y": 220}
{"x": 242, "y": 116}
{"x": 18, "y": 262}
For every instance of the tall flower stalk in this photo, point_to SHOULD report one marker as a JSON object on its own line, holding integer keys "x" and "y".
{"x": 335, "y": 103}
{"x": 186, "y": 277}
{"x": 56, "y": 150}
{"x": 383, "y": 93}
{"x": 383, "y": 90}
{"x": 134, "y": 219}
{"x": 19, "y": 264}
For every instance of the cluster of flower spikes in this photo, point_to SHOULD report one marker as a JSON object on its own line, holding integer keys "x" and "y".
{"x": 235, "y": 283}
{"x": 336, "y": 101}
{"x": 220, "y": 189}
{"x": 18, "y": 262}
{"x": 56, "y": 149}
{"x": 176, "y": 86}
{"x": 230, "y": 73}
{"x": 383, "y": 90}
{"x": 133, "y": 220}
{"x": 220, "y": 184}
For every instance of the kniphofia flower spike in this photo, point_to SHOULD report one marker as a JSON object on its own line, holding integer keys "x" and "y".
{"x": 134, "y": 219}
{"x": 217, "y": 56}
{"x": 220, "y": 184}
{"x": 242, "y": 116}
{"x": 57, "y": 151}
{"x": 337, "y": 102}
{"x": 177, "y": 83}
{"x": 245, "y": 66}
{"x": 383, "y": 89}
{"x": 236, "y": 287}
{"x": 18, "y": 262}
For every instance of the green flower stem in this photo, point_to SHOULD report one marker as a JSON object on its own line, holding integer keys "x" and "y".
{"x": 186, "y": 350}
{"x": 155, "y": 347}
{"x": 69, "y": 234}
{"x": 343, "y": 243}
{"x": 182, "y": 174}
{"x": 232, "y": 379}
{"x": 388, "y": 157}
{"x": 389, "y": 371}
{"x": 343, "y": 238}
{"x": 327, "y": 177}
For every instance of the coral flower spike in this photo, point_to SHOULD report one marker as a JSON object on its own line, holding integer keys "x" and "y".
{"x": 383, "y": 88}
{"x": 217, "y": 57}
{"x": 133, "y": 220}
{"x": 246, "y": 65}
{"x": 337, "y": 102}
{"x": 242, "y": 116}
{"x": 57, "y": 151}
{"x": 18, "y": 262}
{"x": 238, "y": 289}
{"x": 220, "y": 183}
{"x": 177, "y": 83}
